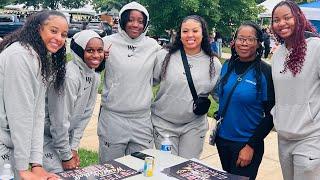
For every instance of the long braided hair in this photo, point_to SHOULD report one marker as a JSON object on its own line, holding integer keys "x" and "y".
{"x": 235, "y": 57}
{"x": 52, "y": 65}
{"x": 295, "y": 60}
{"x": 177, "y": 44}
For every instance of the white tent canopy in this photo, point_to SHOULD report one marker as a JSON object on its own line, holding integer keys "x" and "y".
{"x": 311, "y": 13}
{"x": 15, "y": 6}
{"x": 268, "y": 5}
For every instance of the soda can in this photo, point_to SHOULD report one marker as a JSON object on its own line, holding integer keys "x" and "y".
{"x": 148, "y": 166}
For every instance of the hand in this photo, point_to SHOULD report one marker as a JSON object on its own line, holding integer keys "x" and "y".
{"x": 245, "y": 156}
{"x": 43, "y": 174}
{"x": 71, "y": 164}
{"x": 27, "y": 175}
{"x": 76, "y": 156}
{"x": 106, "y": 52}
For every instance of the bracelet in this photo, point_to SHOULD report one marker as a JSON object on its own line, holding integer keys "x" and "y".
{"x": 67, "y": 160}
{"x": 35, "y": 165}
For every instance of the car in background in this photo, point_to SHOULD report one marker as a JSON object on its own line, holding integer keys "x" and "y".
{"x": 102, "y": 28}
{"x": 75, "y": 27}
{"x": 163, "y": 41}
{"x": 9, "y": 23}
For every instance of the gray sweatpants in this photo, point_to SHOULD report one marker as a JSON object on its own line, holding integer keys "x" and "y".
{"x": 51, "y": 160}
{"x": 300, "y": 159}
{"x": 187, "y": 139}
{"x": 120, "y": 136}
{"x": 6, "y": 155}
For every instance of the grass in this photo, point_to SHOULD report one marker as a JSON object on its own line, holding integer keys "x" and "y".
{"x": 87, "y": 157}
{"x": 226, "y": 50}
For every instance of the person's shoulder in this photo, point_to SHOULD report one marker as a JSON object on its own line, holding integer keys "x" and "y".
{"x": 17, "y": 50}
{"x": 16, "y": 47}
{"x": 162, "y": 52}
{"x": 151, "y": 40}
{"x": 313, "y": 44}
{"x": 225, "y": 65}
{"x": 314, "y": 40}
{"x": 72, "y": 70}
{"x": 111, "y": 37}
{"x": 266, "y": 68}
{"x": 265, "y": 64}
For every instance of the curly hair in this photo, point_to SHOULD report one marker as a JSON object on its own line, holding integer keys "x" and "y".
{"x": 295, "y": 60}
{"x": 235, "y": 57}
{"x": 52, "y": 64}
{"x": 177, "y": 44}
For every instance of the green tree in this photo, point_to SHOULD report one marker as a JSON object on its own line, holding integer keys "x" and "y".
{"x": 54, "y": 4}
{"x": 167, "y": 14}
{"x": 224, "y": 15}
{"x": 107, "y": 5}
{"x": 234, "y": 12}
{"x": 5, "y": 2}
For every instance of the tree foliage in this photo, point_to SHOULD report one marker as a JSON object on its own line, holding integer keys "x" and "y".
{"x": 234, "y": 13}
{"x": 54, "y": 4}
{"x": 5, "y": 2}
{"x": 224, "y": 15}
{"x": 107, "y": 5}
{"x": 167, "y": 14}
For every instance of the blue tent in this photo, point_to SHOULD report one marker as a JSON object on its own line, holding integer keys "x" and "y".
{"x": 311, "y": 5}
{"x": 312, "y": 12}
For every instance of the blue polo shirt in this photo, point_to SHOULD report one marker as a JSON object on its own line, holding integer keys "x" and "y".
{"x": 245, "y": 110}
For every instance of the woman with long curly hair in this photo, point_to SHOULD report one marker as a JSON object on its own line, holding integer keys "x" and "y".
{"x": 172, "y": 110}
{"x": 245, "y": 107}
{"x": 295, "y": 72}
{"x": 31, "y": 59}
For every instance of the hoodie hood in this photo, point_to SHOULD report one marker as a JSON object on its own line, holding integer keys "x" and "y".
{"x": 78, "y": 44}
{"x": 133, "y": 6}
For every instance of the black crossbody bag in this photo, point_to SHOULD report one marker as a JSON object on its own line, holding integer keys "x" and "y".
{"x": 200, "y": 104}
{"x": 219, "y": 117}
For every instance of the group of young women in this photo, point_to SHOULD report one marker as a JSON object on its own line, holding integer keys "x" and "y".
{"x": 47, "y": 103}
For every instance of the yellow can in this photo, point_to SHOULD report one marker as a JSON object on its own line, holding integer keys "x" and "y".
{"x": 148, "y": 166}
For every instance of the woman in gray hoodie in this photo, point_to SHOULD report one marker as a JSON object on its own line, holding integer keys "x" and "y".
{"x": 68, "y": 113}
{"x": 295, "y": 73}
{"x": 172, "y": 109}
{"x": 124, "y": 123}
{"x": 30, "y": 59}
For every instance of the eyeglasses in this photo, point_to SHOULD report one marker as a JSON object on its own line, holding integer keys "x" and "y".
{"x": 242, "y": 40}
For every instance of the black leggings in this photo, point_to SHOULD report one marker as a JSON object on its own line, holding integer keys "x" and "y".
{"x": 229, "y": 152}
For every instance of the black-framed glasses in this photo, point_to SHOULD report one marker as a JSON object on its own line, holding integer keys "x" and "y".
{"x": 248, "y": 40}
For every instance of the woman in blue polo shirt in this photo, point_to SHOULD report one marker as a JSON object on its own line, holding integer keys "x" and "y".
{"x": 247, "y": 119}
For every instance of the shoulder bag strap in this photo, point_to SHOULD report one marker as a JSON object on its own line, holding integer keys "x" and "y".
{"x": 188, "y": 74}
{"x": 239, "y": 79}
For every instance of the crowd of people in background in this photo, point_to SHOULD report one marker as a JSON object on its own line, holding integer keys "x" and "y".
{"x": 46, "y": 103}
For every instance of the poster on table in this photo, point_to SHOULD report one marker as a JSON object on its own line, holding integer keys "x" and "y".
{"x": 191, "y": 170}
{"x": 112, "y": 170}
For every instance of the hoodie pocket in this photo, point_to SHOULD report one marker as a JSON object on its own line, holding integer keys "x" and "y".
{"x": 292, "y": 121}
{"x": 175, "y": 110}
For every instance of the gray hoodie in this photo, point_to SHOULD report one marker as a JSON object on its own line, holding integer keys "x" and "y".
{"x": 21, "y": 105}
{"x": 68, "y": 114}
{"x": 296, "y": 112}
{"x": 174, "y": 101}
{"x": 128, "y": 77}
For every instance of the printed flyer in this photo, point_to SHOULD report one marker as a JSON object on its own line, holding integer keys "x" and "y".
{"x": 191, "y": 170}
{"x": 112, "y": 170}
